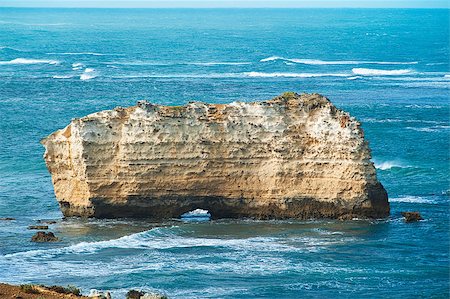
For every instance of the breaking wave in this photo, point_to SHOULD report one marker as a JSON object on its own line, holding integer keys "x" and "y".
{"x": 29, "y": 61}
{"x": 378, "y": 72}
{"x": 170, "y": 63}
{"x": 77, "y": 66}
{"x": 62, "y": 76}
{"x": 293, "y": 75}
{"x": 429, "y": 129}
{"x": 385, "y": 165}
{"x": 412, "y": 199}
{"x": 161, "y": 238}
{"x": 218, "y": 63}
{"x": 89, "y": 73}
{"x": 337, "y": 62}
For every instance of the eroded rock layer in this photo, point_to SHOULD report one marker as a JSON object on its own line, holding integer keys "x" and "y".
{"x": 295, "y": 156}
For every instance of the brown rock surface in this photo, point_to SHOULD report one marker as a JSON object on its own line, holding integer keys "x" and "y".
{"x": 295, "y": 156}
{"x": 412, "y": 216}
{"x": 32, "y": 292}
{"x": 44, "y": 237}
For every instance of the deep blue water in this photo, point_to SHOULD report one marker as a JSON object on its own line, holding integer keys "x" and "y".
{"x": 389, "y": 68}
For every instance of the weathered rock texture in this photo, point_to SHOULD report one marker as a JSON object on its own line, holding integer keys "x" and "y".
{"x": 295, "y": 156}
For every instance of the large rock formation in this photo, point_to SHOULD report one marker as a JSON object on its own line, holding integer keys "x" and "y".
{"x": 295, "y": 156}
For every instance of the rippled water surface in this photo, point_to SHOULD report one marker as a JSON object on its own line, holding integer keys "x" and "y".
{"x": 389, "y": 68}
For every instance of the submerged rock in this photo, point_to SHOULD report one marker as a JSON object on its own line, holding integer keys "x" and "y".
{"x": 38, "y": 227}
{"x": 46, "y": 221}
{"x": 44, "y": 237}
{"x": 7, "y": 219}
{"x": 412, "y": 216}
{"x": 295, "y": 156}
{"x": 133, "y": 294}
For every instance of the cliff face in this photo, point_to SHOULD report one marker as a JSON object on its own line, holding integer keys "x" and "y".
{"x": 295, "y": 156}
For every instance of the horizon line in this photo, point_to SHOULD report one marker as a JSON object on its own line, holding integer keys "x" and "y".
{"x": 230, "y": 7}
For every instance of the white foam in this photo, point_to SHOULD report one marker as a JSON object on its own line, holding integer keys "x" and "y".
{"x": 29, "y": 61}
{"x": 336, "y": 62}
{"x": 62, "y": 76}
{"x": 426, "y": 106}
{"x": 166, "y": 238}
{"x": 77, "y": 66}
{"x": 293, "y": 75}
{"x": 385, "y": 165}
{"x": 412, "y": 199}
{"x": 429, "y": 129}
{"x": 378, "y": 72}
{"x": 89, "y": 73}
{"x": 447, "y": 76}
{"x": 271, "y": 58}
{"x": 218, "y": 63}
{"x": 197, "y": 213}
{"x": 354, "y": 77}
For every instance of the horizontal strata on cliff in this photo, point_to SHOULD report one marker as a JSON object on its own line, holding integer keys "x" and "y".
{"x": 295, "y": 156}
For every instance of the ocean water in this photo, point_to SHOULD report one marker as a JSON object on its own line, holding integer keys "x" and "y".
{"x": 389, "y": 68}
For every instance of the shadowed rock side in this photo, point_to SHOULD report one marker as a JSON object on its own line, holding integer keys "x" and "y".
{"x": 295, "y": 156}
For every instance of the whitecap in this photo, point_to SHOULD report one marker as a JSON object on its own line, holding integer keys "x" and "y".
{"x": 29, "y": 61}
{"x": 89, "y": 73}
{"x": 354, "y": 77}
{"x": 62, "y": 76}
{"x": 425, "y": 106}
{"x": 336, "y": 62}
{"x": 271, "y": 58}
{"x": 378, "y": 72}
{"x": 429, "y": 129}
{"x": 386, "y": 165}
{"x": 217, "y": 63}
{"x": 412, "y": 199}
{"x": 293, "y": 75}
{"x": 77, "y": 66}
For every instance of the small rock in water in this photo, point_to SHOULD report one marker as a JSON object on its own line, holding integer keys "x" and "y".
{"x": 38, "y": 227}
{"x": 133, "y": 294}
{"x": 412, "y": 216}
{"x": 44, "y": 237}
{"x": 7, "y": 218}
{"x": 46, "y": 221}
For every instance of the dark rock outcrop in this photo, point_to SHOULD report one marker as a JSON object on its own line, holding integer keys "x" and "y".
{"x": 38, "y": 227}
{"x": 412, "y": 216}
{"x": 42, "y": 236}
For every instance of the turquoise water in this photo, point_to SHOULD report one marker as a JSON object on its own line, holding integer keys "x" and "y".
{"x": 389, "y": 68}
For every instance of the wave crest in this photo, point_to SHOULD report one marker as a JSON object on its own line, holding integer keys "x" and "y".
{"x": 412, "y": 199}
{"x": 378, "y": 72}
{"x": 89, "y": 73}
{"x": 293, "y": 75}
{"x": 386, "y": 165}
{"x": 29, "y": 61}
{"x": 336, "y": 62}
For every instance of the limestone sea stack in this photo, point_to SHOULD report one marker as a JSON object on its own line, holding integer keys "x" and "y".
{"x": 295, "y": 156}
